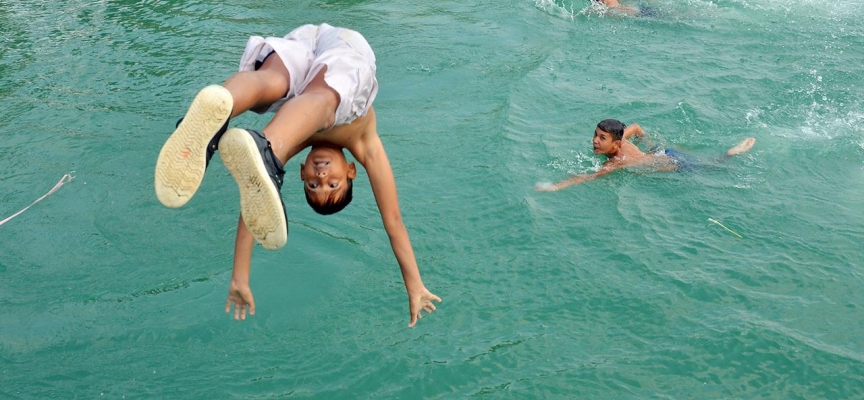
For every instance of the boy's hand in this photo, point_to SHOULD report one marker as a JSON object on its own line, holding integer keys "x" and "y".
{"x": 241, "y": 296}
{"x": 421, "y": 301}
{"x": 545, "y": 187}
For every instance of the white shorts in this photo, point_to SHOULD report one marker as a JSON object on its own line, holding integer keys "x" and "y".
{"x": 306, "y": 50}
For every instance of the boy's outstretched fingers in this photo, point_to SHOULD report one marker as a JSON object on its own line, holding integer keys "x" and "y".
{"x": 241, "y": 297}
{"x": 422, "y": 302}
{"x": 545, "y": 187}
{"x": 239, "y": 310}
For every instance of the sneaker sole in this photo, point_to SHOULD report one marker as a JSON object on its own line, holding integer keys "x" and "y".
{"x": 183, "y": 159}
{"x": 260, "y": 201}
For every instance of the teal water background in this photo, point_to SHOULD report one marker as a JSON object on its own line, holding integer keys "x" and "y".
{"x": 615, "y": 289}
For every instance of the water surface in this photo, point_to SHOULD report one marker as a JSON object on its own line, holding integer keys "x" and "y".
{"x": 618, "y": 288}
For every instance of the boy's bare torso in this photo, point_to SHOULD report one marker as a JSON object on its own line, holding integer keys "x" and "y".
{"x": 630, "y": 156}
{"x": 360, "y": 137}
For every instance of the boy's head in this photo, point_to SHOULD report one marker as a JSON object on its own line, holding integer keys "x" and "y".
{"x": 327, "y": 179}
{"x": 608, "y": 136}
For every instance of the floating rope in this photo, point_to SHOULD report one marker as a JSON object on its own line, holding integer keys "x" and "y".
{"x": 724, "y": 227}
{"x": 66, "y": 178}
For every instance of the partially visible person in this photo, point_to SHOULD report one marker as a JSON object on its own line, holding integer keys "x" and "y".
{"x": 611, "y": 139}
{"x": 641, "y": 10}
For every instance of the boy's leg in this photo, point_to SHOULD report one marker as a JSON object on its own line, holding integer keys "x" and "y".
{"x": 249, "y": 158}
{"x": 257, "y": 89}
{"x": 742, "y": 147}
{"x": 185, "y": 155}
{"x": 302, "y": 116}
{"x": 256, "y": 161}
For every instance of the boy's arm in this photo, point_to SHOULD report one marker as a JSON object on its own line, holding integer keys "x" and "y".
{"x": 637, "y": 131}
{"x": 575, "y": 180}
{"x": 239, "y": 292}
{"x": 633, "y": 130}
{"x": 616, "y": 6}
{"x": 384, "y": 188}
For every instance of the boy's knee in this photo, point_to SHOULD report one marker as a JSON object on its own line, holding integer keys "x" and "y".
{"x": 274, "y": 75}
{"x": 275, "y": 81}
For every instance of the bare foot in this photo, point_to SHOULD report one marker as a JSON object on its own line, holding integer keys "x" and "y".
{"x": 742, "y": 147}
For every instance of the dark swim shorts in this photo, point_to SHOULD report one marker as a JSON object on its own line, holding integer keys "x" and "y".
{"x": 648, "y": 11}
{"x": 683, "y": 161}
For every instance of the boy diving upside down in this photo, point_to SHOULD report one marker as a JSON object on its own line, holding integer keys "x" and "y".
{"x": 611, "y": 140}
{"x": 320, "y": 82}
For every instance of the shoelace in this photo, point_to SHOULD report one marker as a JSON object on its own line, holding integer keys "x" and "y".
{"x": 66, "y": 178}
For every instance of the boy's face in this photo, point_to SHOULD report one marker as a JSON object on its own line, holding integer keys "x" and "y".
{"x": 326, "y": 173}
{"x": 604, "y": 143}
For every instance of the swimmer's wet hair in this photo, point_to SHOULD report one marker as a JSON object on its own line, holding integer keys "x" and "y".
{"x": 332, "y": 205}
{"x": 613, "y": 126}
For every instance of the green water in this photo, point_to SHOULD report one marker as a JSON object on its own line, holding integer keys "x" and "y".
{"x": 616, "y": 289}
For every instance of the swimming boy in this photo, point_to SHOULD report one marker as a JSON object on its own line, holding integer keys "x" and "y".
{"x": 611, "y": 140}
{"x": 636, "y": 11}
{"x": 320, "y": 82}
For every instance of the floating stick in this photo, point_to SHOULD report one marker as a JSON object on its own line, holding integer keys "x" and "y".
{"x": 724, "y": 227}
{"x": 66, "y": 178}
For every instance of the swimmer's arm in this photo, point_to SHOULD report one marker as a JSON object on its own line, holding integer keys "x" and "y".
{"x": 633, "y": 130}
{"x": 575, "y": 180}
{"x": 614, "y": 5}
{"x": 383, "y": 183}
{"x": 239, "y": 292}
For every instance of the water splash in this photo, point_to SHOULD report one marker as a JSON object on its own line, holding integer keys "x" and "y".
{"x": 570, "y": 9}
{"x": 577, "y": 163}
{"x": 802, "y": 7}
{"x": 819, "y": 106}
